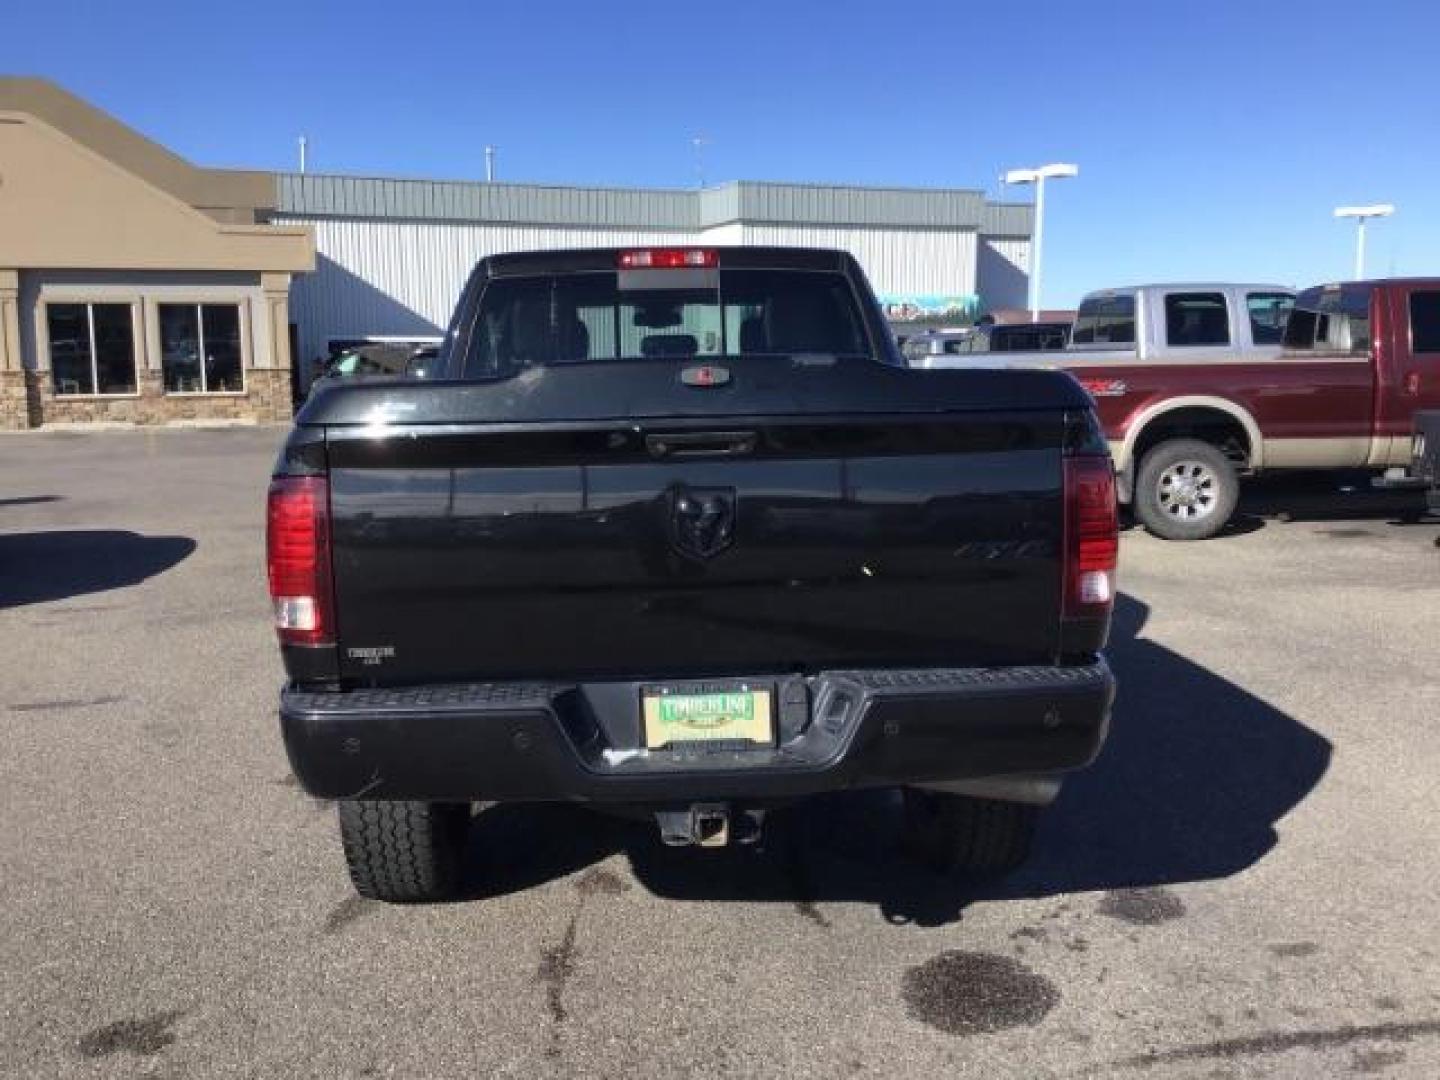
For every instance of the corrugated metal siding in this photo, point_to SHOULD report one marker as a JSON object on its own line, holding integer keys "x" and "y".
{"x": 310, "y": 195}
{"x": 898, "y": 207}
{"x": 912, "y": 261}
{"x": 724, "y": 235}
{"x": 403, "y": 277}
{"x": 1003, "y": 269}
{"x": 1008, "y": 219}
{"x": 719, "y": 205}
{"x": 808, "y": 204}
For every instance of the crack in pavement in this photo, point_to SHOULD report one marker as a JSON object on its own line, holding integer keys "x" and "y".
{"x": 1278, "y": 1042}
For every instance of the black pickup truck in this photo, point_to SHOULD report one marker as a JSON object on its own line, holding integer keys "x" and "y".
{"x": 676, "y": 531}
{"x": 1426, "y": 465}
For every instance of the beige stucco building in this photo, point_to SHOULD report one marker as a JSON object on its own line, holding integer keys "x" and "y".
{"x": 135, "y": 287}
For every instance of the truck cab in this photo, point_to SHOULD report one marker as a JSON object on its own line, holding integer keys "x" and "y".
{"x": 1185, "y": 323}
{"x": 1393, "y": 327}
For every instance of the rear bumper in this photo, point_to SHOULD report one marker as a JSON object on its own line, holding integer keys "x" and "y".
{"x": 839, "y": 730}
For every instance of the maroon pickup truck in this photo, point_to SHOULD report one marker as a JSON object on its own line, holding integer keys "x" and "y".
{"x": 1197, "y": 385}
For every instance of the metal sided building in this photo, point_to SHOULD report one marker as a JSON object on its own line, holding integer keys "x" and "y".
{"x": 392, "y": 255}
{"x": 140, "y": 288}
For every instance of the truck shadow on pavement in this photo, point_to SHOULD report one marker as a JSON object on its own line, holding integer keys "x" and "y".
{"x": 1318, "y": 500}
{"x": 1322, "y": 498}
{"x": 1194, "y": 778}
{"x": 40, "y": 566}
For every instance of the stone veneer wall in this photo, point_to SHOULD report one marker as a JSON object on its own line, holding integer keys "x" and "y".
{"x": 27, "y": 400}
{"x": 19, "y": 408}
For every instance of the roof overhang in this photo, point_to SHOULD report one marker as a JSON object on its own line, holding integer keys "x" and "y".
{"x": 64, "y": 205}
{"x": 746, "y": 202}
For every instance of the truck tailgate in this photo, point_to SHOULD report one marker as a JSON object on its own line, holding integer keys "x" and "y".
{"x": 735, "y": 544}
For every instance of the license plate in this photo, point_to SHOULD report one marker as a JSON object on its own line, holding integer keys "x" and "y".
{"x": 721, "y": 713}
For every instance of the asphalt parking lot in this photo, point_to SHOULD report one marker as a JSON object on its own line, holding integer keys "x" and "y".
{"x": 1244, "y": 885}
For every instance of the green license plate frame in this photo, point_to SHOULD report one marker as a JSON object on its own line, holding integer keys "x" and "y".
{"x": 719, "y": 715}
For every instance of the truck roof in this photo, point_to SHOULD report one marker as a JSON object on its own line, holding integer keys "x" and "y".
{"x": 580, "y": 260}
{"x": 1194, "y": 286}
{"x": 1369, "y": 283}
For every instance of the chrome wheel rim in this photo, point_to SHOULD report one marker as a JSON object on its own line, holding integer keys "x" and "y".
{"x": 1188, "y": 491}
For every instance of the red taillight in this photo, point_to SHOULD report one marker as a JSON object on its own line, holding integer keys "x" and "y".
{"x": 1092, "y": 536}
{"x": 297, "y": 549}
{"x": 668, "y": 259}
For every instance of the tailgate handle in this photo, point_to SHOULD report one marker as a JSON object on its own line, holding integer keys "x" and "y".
{"x": 702, "y": 444}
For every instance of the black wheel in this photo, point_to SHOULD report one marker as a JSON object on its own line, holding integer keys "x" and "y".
{"x": 961, "y": 834}
{"x": 404, "y": 852}
{"x": 1185, "y": 489}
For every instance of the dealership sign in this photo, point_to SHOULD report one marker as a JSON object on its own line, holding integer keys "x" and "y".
{"x": 908, "y": 307}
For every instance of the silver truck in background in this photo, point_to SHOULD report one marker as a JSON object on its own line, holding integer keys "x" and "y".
{"x": 1195, "y": 387}
{"x": 1145, "y": 324}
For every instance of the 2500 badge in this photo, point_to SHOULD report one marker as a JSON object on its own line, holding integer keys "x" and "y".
{"x": 372, "y": 655}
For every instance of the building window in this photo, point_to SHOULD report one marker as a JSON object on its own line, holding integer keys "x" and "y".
{"x": 1196, "y": 319}
{"x": 200, "y": 350}
{"x": 92, "y": 348}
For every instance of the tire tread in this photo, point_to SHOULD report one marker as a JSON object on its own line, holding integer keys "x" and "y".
{"x": 963, "y": 834}
{"x": 1162, "y": 455}
{"x": 404, "y": 852}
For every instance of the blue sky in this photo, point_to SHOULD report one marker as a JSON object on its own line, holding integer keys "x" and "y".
{"x": 1213, "y": 139}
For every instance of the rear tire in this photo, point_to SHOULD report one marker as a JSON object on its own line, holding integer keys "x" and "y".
{"x": 960, "y": 834}
{"x": 1185, "y": 489}
{"x": 404, "y": 852}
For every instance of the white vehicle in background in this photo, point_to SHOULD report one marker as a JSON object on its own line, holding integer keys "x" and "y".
{"x": 987, "y": 338}
{"x": 949, "y": 341}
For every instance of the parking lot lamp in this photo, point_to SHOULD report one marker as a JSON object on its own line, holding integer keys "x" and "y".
{"x": 1038, "y": 178}
{"x": 1362, "y": 214}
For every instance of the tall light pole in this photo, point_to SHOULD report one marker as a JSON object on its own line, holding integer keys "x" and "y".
{"x": 1362, "y": 214}
{"x": 1038, "y": 178}
{"x": 698, "y": 144}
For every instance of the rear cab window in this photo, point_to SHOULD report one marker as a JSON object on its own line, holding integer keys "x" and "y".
{"x": 1105, "y": 319}
{"x": 1027, "y": 338}
{"x": 1269, "y": 313}
{"x": 915, "y": 348}
{"x": 1330, "y": 320}
{"x": 662, "y": 315}
{"x": 1196, "y": 319}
